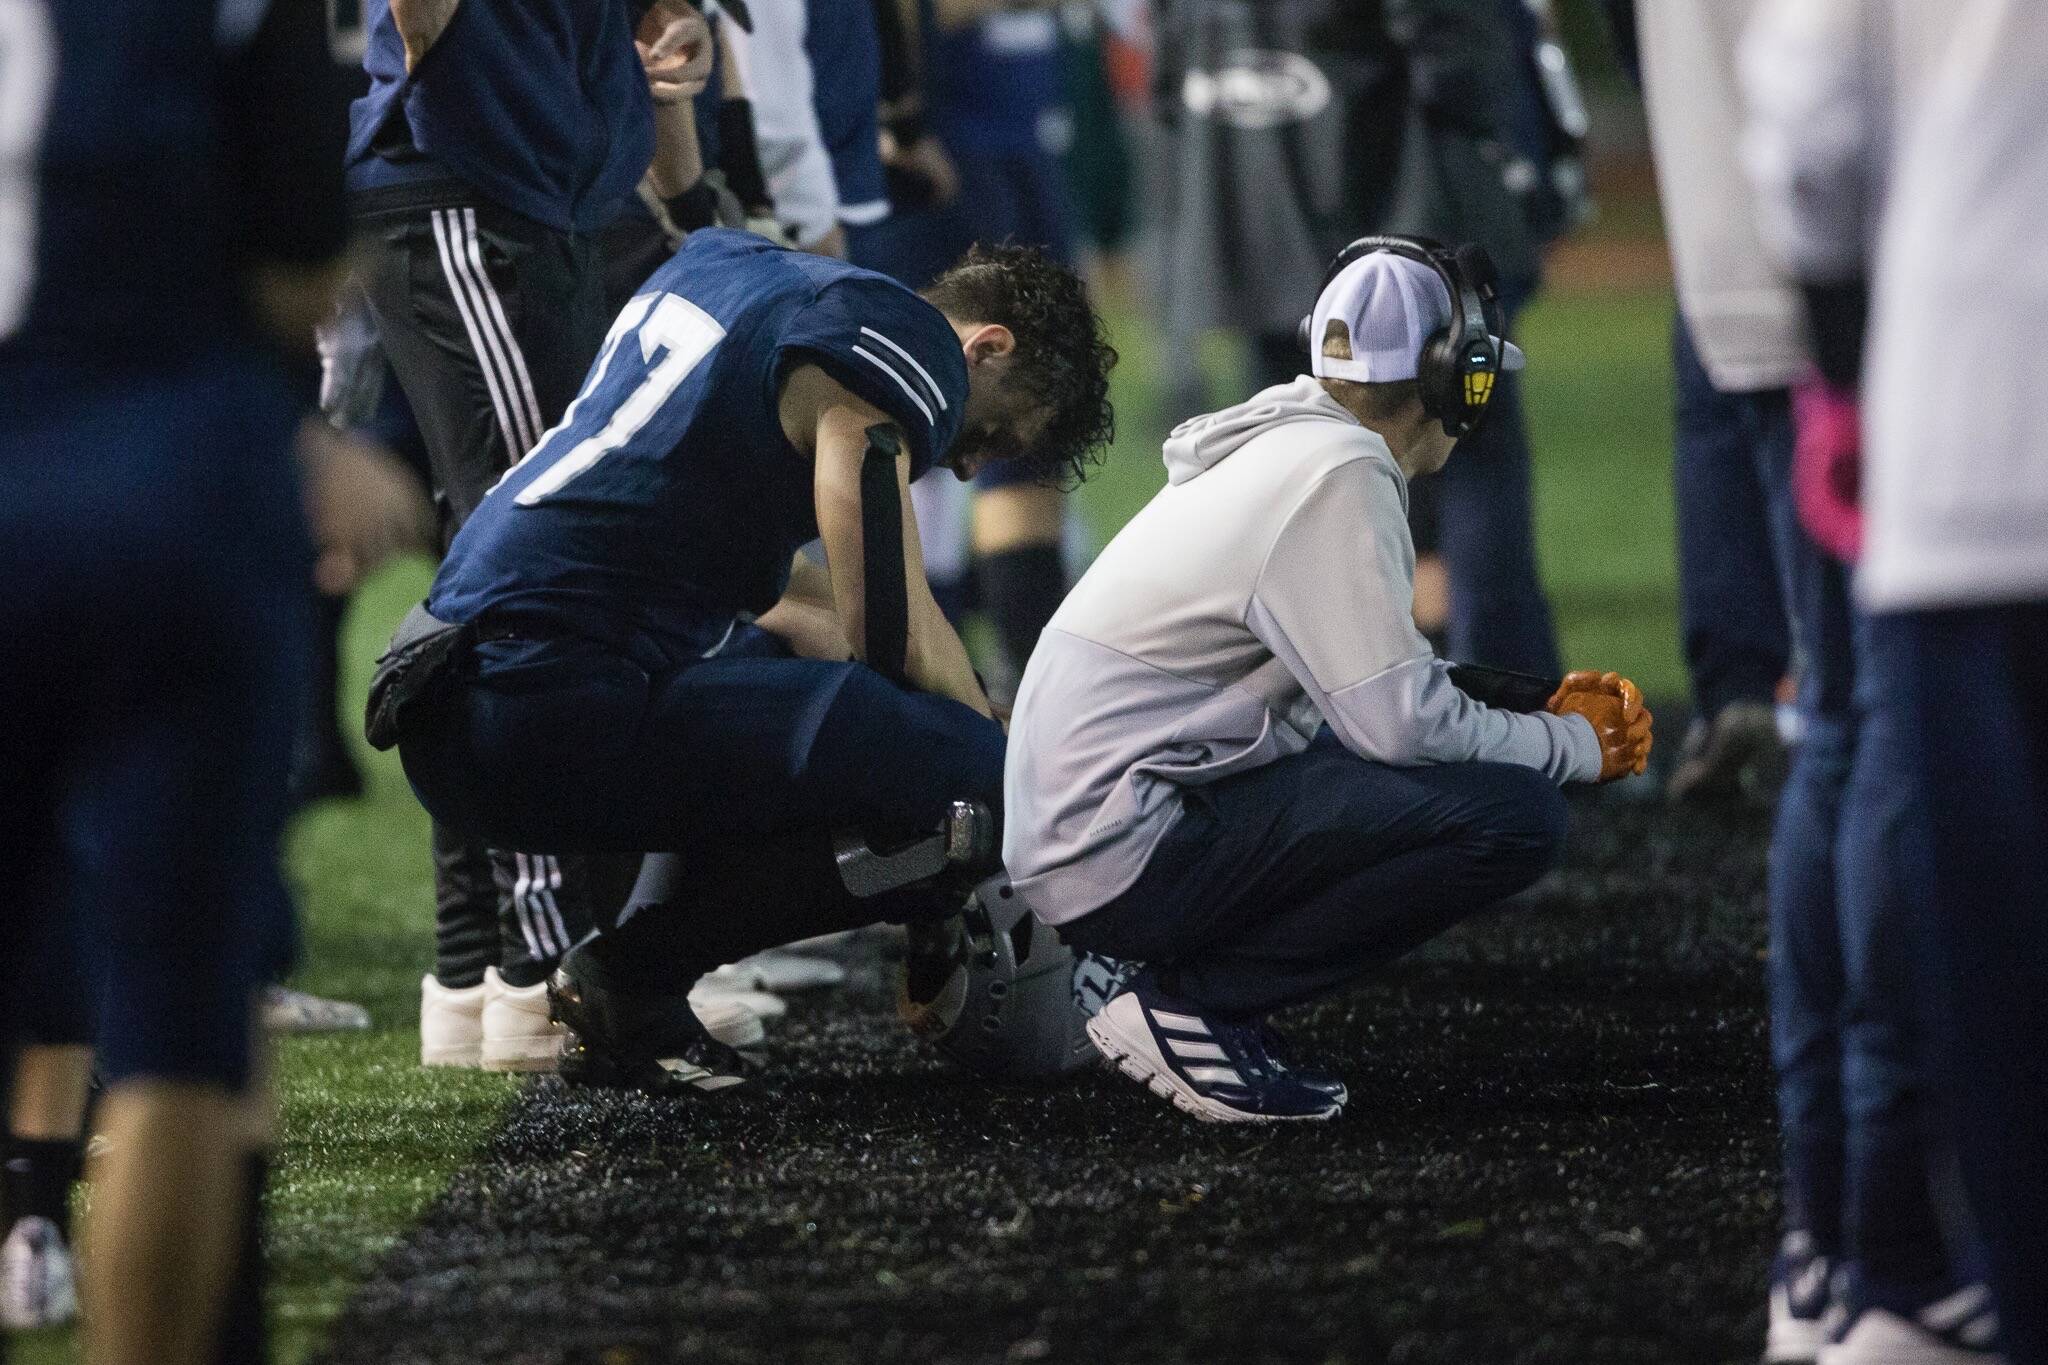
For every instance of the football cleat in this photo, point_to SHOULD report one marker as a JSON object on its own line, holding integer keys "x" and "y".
{"x": 656, "y": 1044}
{"x": 36, "y": 1284}
{"x": 519, "y": 1036}
{"x": 451, "y": 1024}
{"x": 290, "y": 1011}
{"x": 1213, "y": 1069}
{"x": 1800, "y": 1297}
{"x": 1872, "y": 1328}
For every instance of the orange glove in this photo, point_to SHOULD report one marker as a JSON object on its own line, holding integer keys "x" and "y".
{"x": 1613, "y": 706}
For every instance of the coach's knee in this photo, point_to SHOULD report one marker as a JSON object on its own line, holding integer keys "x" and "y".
{"x": 1520, "y": 835}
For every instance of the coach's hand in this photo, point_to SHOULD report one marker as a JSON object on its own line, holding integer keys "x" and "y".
{"x": 363, "y": 506}
{"x": 1613, "y": 706}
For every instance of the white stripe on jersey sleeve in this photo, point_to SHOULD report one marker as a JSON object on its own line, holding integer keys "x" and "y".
{"x": 864, "y": 214}
{"x": 922, "y": 372}
{"x": 904, "y": 384}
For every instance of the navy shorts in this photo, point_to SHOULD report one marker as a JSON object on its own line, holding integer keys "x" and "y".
{"x": 157, "y": 622}
{"x": 578, "y": 747}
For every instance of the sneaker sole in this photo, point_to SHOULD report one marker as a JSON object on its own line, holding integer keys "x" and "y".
{"x": 1129, "y": 1057}
{"x": 525, "y": 1056}
{"x": 455, "y": 1058}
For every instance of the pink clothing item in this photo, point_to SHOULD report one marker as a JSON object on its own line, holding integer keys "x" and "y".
{"x": 1827, "y": 466}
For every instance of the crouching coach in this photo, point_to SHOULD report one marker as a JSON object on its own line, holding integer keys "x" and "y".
{"x": 1236, "y": 760}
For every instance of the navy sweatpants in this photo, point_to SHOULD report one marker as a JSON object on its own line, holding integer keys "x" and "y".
{"x": 1296, "y": 879}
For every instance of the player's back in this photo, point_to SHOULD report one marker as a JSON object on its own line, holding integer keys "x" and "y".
{"x": 669, "y": 497}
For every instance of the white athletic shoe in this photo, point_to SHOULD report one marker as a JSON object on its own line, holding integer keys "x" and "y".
{"x": 36, "y": 1288}
{"x": 729, "y": 1022}
{"x": 518, "y": 1035}
{"x": 1958, "y": 1329}
{"x": 289, "y": 1011}
{"x": 762, "y": 1003}
{"x": 780, "y": 971}
{"x": 451, "y": 1024}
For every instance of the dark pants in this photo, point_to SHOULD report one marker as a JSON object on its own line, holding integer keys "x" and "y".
{"x": 157, "y": 631}
{"x": 1728, "y": 449}
{"x": 1294, "y": 880}
{"x": 742, "y": 766}
{"x": 1969, "y": 686}
{"x": 1849, "y": 869}
{"x": 490, "y": 322}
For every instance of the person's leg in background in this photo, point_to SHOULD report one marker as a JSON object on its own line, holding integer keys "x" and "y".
{"x": 491, "y": 323}
{"x": 1969, "y": 684}
{"x": 1500, "y": 614}
{"x": 1893, "y": 1236}
{"x": 1806, "y": 970}
{"x": 1738, "y": 644}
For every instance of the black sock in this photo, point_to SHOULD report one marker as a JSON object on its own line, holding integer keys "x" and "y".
{"x": 38, "y": 1180}
{"x": 688, "y": 915}
{"x": 242, "y": 1336}
{"x": 1021, "y": 589}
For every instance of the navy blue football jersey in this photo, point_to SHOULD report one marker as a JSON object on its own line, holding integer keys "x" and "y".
{"x": 145, "y": 149}
{"x": 668, "y": 499}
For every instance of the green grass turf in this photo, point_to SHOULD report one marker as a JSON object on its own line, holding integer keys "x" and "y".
{"x": 370, "y": 1138}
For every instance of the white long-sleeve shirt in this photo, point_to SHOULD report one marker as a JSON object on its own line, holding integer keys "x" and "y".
{"x": 1911, "y": 134}
{"x": 1266, "y": 590}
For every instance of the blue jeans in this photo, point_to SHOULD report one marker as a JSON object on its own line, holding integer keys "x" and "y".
{"x": 1968, "y": 686}
{"x": 1849, "y": 871}
{"x": 1729, "y": 448}
{"x": 1296, "y": 879}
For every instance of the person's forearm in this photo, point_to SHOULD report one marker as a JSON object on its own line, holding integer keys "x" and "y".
{"x": 937, "y": 661}
{"x": 678, "y": 158}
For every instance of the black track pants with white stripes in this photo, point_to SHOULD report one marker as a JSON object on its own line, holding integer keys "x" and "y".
{"x": 490, "y": 321}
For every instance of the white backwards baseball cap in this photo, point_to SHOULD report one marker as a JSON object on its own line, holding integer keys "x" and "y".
{"x": 1391, "y": 305}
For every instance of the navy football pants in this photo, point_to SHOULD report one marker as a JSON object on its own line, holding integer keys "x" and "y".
{"x": 157, "y": 627}
{"x": 743, "y": 766}
{"x": 1294, "y": 880}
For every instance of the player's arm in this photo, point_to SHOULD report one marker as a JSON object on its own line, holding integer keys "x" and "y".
{"x": 831, "y": 424}
{"x": 806, "y": 618}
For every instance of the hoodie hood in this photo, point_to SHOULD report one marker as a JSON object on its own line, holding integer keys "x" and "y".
{"x": 1204, "y": 442}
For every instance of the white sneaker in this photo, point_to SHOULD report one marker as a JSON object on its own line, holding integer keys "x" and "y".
{"x": 288, "y": 1011}
{"x": 732, "y": 1024}
{"x": 781, "y": 971}
{"x": 1958, "y": 1329}
{"x": 451, "y": 1024}
{"x": 518, "y": 1035}
{"x": 36, "y": 1287}
{"x": 760, "y": 1002}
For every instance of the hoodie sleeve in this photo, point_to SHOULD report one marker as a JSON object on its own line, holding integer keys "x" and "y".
{"x": 1335, "y": 601}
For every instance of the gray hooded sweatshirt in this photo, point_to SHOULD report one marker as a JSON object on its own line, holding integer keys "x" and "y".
{"x": 1267, "y": 590}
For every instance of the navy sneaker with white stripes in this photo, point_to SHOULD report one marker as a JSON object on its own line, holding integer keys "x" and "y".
{"x": 1218, "y": 1070}
{"x": 1800, "y": 1294}
{"x": 1873, "y": 1325}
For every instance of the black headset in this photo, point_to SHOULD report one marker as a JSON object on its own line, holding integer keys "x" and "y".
{"x": 1460, "y": 361}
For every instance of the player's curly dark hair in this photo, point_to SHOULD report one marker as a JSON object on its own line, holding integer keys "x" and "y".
{"x": 1062, "y": 357}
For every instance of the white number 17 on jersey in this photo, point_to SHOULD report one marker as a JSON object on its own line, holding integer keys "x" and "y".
{"x": 664, "y": 322}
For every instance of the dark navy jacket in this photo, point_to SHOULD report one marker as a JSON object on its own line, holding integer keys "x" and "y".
{"x": 539, "y": 106}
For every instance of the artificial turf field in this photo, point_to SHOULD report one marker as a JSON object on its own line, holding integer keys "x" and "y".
{"x": 1559, "y": 1146}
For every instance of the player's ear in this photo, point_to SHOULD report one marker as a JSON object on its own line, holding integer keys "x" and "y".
{"x": 987, "y": 342}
